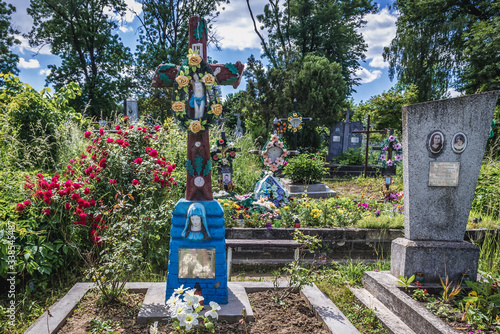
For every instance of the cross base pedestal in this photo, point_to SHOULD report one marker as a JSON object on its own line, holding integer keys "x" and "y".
{"x": 434, "y": 259}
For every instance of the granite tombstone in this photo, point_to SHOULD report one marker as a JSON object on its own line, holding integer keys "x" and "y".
{"x": 444, "y": 143}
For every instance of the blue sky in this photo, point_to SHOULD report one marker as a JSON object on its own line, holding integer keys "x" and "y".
{"x": 239, "y": 41}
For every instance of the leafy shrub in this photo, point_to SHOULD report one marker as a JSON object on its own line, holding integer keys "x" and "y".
{"x": 27, "y": 117}
{"x": 305, "y": 168}
{"x": 351, "y": 157}
{"x": 81, "y": 204}
{"x": 487, "y": 196}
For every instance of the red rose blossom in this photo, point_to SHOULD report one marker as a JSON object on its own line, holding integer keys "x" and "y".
{"x": 87, "y": 134}
{"x": 138, "y": 161}
{"x": 153, "y": 153}
{"x": 135, "y": 182}
{"x": 112, "y": 181}
{"x": 67, "y": 206}
{"x": 101, "y": 131}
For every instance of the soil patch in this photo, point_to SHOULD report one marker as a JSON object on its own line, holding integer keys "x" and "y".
{"x": 118, "y": 318}
{"x": 294, "y": 317}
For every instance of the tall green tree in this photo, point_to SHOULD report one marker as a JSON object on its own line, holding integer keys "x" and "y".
{"x": 481, "y": 54}
{"x": 326, "y": 28}
{"x": 385, "y": 109}
{"x": 430, "y": 40}
{"x": 8, "y": 60}
{"x": 83, "y": 34}
{"x": 163, "y": 35}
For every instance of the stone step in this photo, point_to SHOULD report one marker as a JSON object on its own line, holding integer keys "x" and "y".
{"x": 391, "y": 322}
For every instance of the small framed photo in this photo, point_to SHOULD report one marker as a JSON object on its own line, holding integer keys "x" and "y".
{"x": 436, "y": 142}
{"x": 459, "y": 142}
{"x": 226, "y": 178}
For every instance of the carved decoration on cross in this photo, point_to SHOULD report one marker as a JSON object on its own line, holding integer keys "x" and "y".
{"x": 196, "y": 105}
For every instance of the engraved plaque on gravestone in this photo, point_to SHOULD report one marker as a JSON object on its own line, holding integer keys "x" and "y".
{"x": 444, "y": 174}
{"x": 196, "y": 263}
{"x": 335, "y": 145}
{"x": 355, "y": 138}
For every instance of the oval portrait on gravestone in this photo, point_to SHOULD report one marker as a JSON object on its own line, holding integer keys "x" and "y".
{"x": 274, "y": 153}
{"x": 436, "y": 142}
{"x": 459, "y": 142}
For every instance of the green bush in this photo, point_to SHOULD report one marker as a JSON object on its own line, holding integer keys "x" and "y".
{"x": 351, "y": 157}
{"x": 487, "y": 196}
{"x": 305, "y": 168}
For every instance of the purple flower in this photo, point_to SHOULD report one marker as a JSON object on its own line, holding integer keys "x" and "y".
{"x": 389, "y": 163}
{"x": 392, "y": 138}
{"x": 397, "y": 147}
{"x": 398, "y": 158}
{"x": 382, "y": 157}
{"x": 384, "y": 148}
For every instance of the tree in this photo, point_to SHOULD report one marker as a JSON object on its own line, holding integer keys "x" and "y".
{"x": 325, "y": 28}
{"x": 481, "y": 55}
{"x": 8, "y": 60}
{"x": 163, "y": 35}
{"x": 385, "y": 109}
{"x": 82, "y": 33}
{"x": 429, "y": 43}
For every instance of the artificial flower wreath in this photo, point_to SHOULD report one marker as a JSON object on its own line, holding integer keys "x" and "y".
{"x": 195, "y": 68}
{"x": 397, "y": 149}
{"x": 223, "y": 152}
{"x": 280, "y": 161}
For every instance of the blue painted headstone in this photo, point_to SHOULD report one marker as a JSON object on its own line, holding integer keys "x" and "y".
{"x": 271, "y": 188}
{"x": 198, "y": 250}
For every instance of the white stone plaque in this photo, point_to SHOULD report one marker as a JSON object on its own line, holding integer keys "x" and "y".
{"x": 444, "y": 174}
{"x": 199, "y": 181}
{"x": 354, "y": 140}
{"x": 196, "y": 263}
{"x": 274, "y": 153}
{"x": 336, "y": 139}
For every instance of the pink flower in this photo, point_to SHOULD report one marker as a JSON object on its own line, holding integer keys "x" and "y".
{"x": 87, "y": 134}
{"x": 76, "y": 185}
{"x": 20, "y": 207}
{"x": 92, "y": 175}
{"x": 67, "y": 206}
{"x": 46, "y": 212}
{"x": 27, "y": 202}
{"x": 112, "y": 181}
{"x": 135, "y": 182}
{"x": 110, "y": 140}
{"x": 86, "y": 191}
{"x": 382, "y": 157}
{"x": 392, "y": 138}
{"x": 157, "y": 127}
{"x": 398, "y": 158}
{"x": 83, "y": 216}
{"x": 101, "y": 131}
{"x": 75, "y": 196}
{"x": 157, "y": 179}
{"x": 47, "y": 200}
{"x": 138, "y": 161}
{"x": 153, "y": 153}
{"x": 83, "y": 156}
{"x": 148, "y": 149}
{"x": 118, "y": 127}
{"x": 389, "y": 163}
{"x": 397, "y": 147}
{"x": 102, "y": 163}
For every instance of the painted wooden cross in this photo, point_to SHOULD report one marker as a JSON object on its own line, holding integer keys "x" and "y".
{"x": 196, "y": 113}
{"x": 367, "y": 132}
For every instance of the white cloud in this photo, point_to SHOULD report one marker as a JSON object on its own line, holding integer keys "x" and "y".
{"x": 235, "y": 27}
{"x": 133, "y": 8}
{"x": 367, "y": 76}
{"x": 32, "y": 63}
{"x": 379, "y": 31}
{"x": 25, "y": 46}
{"x": 125, "y": 29}
{"x": 45, "y": 72}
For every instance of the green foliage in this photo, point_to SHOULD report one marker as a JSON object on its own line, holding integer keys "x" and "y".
{"x": 448, "y": 294}
{"x": 8, "y": 60}
{"x": 82, "y": 34}
{"x": 29, "y": 120}
{"x": 325, "y": 28}
{"x": 482, "y": 304}
{"x": 385, "y": 109}
{"x": 351, "y": 157}
{"x": 405, "y": 282}
{"x": 305, "y": 168}
{"x": 431, "y": 49}
{"x": 487, "y": 196}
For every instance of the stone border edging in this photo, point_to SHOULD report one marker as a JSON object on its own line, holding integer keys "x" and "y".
{"x": 383, "y": 286}
{"x": 154, "y": 307}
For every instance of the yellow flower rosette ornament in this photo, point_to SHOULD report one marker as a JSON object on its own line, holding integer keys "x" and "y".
{"x": 194, "y": 71}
